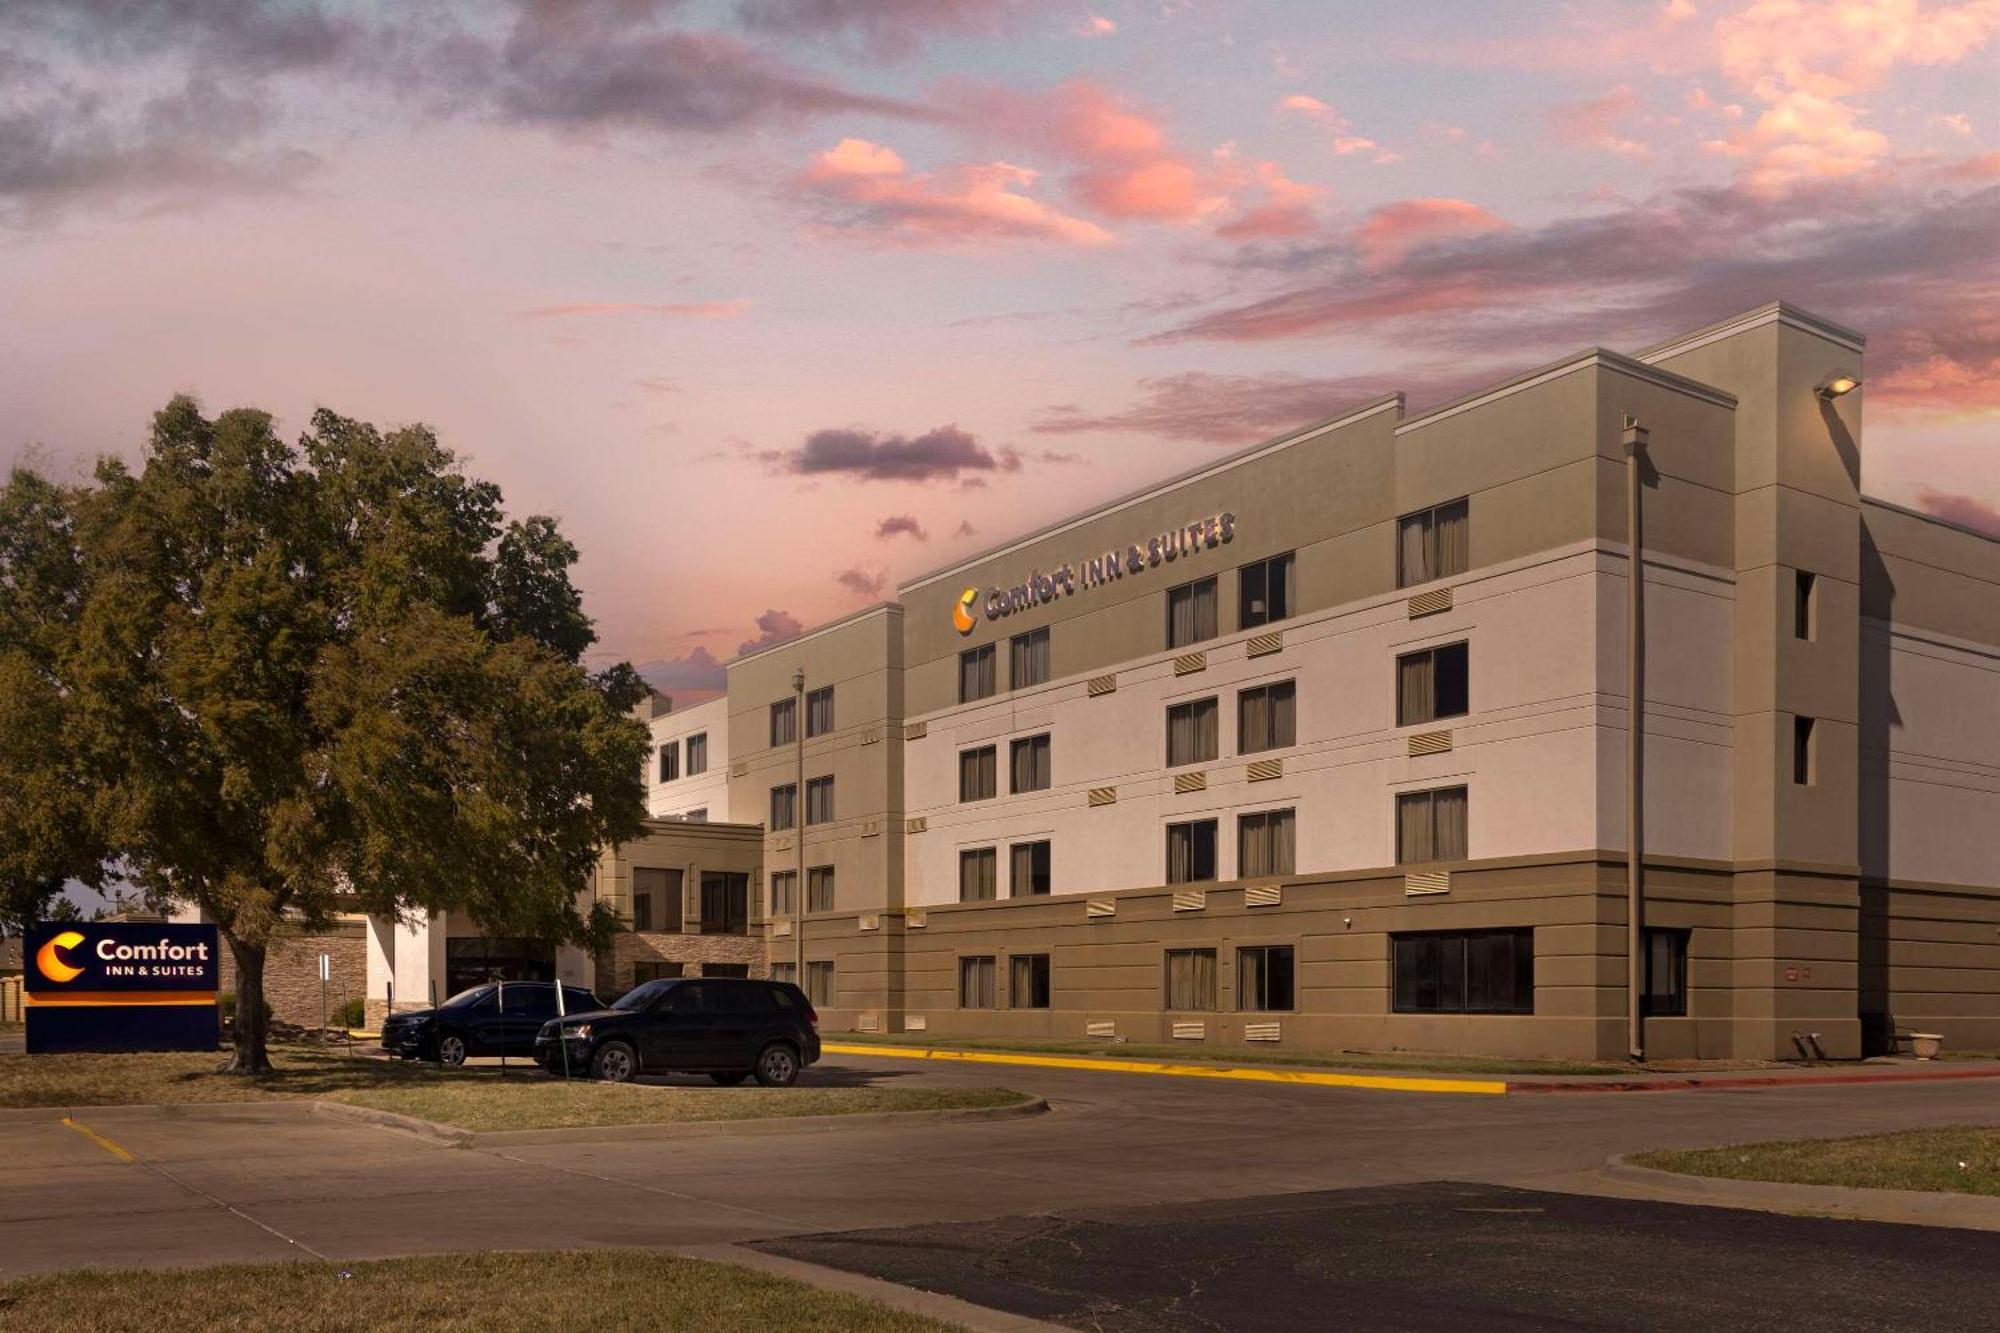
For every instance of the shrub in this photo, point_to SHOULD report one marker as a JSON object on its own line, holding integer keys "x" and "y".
{"x": 351, "y": 1014}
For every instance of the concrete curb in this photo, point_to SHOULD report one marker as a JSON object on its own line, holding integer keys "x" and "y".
{"x": 1725, "y": 1082}
{"x": 155, "y": 1110}
{"x": 1973, "y": 1212}
{"x": 909, "y": 1300}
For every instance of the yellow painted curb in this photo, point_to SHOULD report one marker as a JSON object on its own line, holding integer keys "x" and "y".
{"x": 1378, "y": 1082}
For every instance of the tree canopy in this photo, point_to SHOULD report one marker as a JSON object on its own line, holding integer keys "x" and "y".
{"x": 279, "y": 681}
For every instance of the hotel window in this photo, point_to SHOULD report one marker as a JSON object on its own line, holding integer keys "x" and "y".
{"x": 1464, "y": 972}
{"x": 645, "y": 972}
{"x": 725, "y": 902}
{"x": 784, "y": 722}
{"x": 1028, "y": 869}
{"x": 976, "y": 674}
{"x": 699, "y": 816}
{"x": 784, "y": 807}
{"x": 1267, "y": 592}
{"x": 1432, "y": 543}
{"x": 1665, "y": 990}
{"x": 1805, "y": 752}
{"x": 670, "y": 761}
{"x": 819, "y": 983}
{"x": 1430, "y": 825}
{"x": 1190, "y": 980}
{"x": 1191, "y": 852}
{"x": 1266, "y": 718}
{"x": 978, "y": 872}
{"x": 819, "y": 888}
{"x": 697, "y": 753}
{"x": 784, "y": 892}
{"x": 977, "y": 779}
{"x": 1028, "y": 981}
{"x": 1191, "y": 613}
{"x": 656, "y": 899}
{"x": 976, "y": 983}
{"x": 782, "y": 972}
{"x": 819, "y": 711}
{"x": 1264, "y": 978}
{"x": 725, "y": 970}
{"x": 1191, "y": 732}
{"x": 1265, "y": 844}
{"x": 1433, "y": 684}
{"x": 1805, "y": 606}
{"x": 1028, "y": 758}
{"x": 819, "y": 800}
{"x": 1028, "y": 662}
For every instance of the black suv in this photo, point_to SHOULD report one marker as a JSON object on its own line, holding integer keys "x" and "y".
{"x": 495, "y": 1019}
{"x": 728, "y": 1028}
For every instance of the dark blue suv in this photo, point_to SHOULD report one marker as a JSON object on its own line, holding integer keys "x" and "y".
{"x": 729, "y": 1028}
{"x": 495, "y": 1019}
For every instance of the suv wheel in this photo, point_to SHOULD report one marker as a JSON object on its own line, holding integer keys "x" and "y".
{"x": 451, "y": 1050}
{"x": 614, "y": 1062}
{"x": 778, "y": 1066}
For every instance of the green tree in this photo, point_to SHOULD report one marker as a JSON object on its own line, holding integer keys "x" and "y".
{"x": 280, "y": 681}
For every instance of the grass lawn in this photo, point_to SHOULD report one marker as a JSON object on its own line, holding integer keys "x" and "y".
{"x": 1241, "y": 1055}
{"x": 1964, "y": 1160}
{"x": 478, "y": 1099}
{"x": 589, "y": 1290}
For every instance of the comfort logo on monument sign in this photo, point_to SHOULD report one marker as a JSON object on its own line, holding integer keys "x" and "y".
{"x": 1094, "y": 571}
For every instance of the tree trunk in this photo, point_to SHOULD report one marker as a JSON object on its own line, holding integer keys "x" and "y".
{"x": 253, "y": 1016}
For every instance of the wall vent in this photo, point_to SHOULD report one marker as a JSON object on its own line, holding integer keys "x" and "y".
{"x": 916, "y": 731}
{"x": 915, "y": 1023}
{"x": 1418, "y": 883}
{"x": 915, "y": 919}
{"x": 1191, "y": 900}
{"x": 1265, "y": 769}
{"x": 1190, "y": 1031}
{"x": 782, "y": 926}
{"x": 1261, "y": 1032}
{"x": 1263, "y": 895}
{"x": 1102, "y": 685}
{"x": 1187, "y": 782}
{"x": 916, "y": 824}
{"x": 868, "y": 1023}
{"x": 1263, "y": 645}
{"x": 1189, "y": 663}
{"x": 871, "y": 828}
{"x": 1430, "y": 742}
{"x": 872, "y": 734}
{"x": 781, "y": 843}
{"x": 740, "y": 769}
{"x": 1095, "y": 908}
{"x": 1430, "y": 603}
{"x": 870, "y": 921}
{"x": 1103, "y": 795}
{"x": 1100, "y": 1029}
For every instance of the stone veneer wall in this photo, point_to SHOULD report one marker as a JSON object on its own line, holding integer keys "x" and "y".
{"x": 614, "y": 970}
{"x": 291, "y": 974}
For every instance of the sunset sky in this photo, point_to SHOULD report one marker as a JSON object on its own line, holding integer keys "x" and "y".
{"x": 776, "y": 302}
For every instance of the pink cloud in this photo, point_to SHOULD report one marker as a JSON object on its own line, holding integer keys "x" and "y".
{"x": 1096, "y": 26}
{"x": 1342, "y": 142}
{"x": 1288, "y": 208}
{"x": 874, "y": 194}
{"x": 686, "y": 309}
{"x": 1592, "y": 123}
{"x": 1393, "y": 230}
{"x": 1962, "y": 509}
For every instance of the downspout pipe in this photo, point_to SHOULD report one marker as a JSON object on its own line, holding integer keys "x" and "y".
{"x": 799, "y": 820}
{"x": 1635, "y": 791}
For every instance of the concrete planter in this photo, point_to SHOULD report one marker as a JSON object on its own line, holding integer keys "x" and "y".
{"x": 1926, "y": 1045}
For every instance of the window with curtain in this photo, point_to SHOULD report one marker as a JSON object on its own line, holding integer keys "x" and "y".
{"x": 1665, "y": 991}
{"x": 661, "y": 889}
{"x": 784, "y": 722}
{"x": 1191, "y": 732}
{"x": 1029, "y": 758}
{"x": 1191, "y": 613}
{"x": 1191, "y": 852}
{"x": 978, "y": 779}
{"x": 670, "y": 761}
{"x": 1433, "y": 543}
{"x": 1430, "y": 825}
{"x": 978, "y": 875}
{"x": 784, "y": 892}
{"x": 1265, "y": 844}
{"x": 1028, "y": 873}
{"x": 976, "y": 674}
{"x": 725, "y": 902}
{"x": 1190, "y": 980}
{"x": 819, "y": 888}
{"x": 697, "y": 745}
{"x": 819, "y": 983}
{"x": 1264, "y": 978}
{"x": 1464, "y": 972}
{"x": 784, "y": 807}
{"x": 697, "y": 816}
{"x": 819, "y": 711}
{"x": 976, "y": 977}
{"x": 819, "y": 800}
{"x": 1028, "y": 981}
{"x": 1432, "y": 684}
{"x": 783, "y": 972}
{"x": 1029, "y": 664}
{"x": 1266, "y": 717}
{"x": 1266, "y": 592}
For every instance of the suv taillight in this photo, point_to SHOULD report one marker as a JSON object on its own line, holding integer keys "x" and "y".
{"x": 812, "y": 1016}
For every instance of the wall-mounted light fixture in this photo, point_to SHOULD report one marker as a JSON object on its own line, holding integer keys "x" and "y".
{"x": 1837, "y": 386}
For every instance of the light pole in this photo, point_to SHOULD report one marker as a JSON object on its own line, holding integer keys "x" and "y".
{"x": 799, "y": 817}
{"x": 1635, "y": 684}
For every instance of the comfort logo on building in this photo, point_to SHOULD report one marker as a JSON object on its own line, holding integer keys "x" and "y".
{"x": 49, "y": 958}
{"x": 961, "y": 614}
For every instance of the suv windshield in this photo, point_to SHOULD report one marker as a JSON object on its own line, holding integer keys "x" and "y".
{"x": 467, "y": 997}
{"x": 641, "y": 997}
